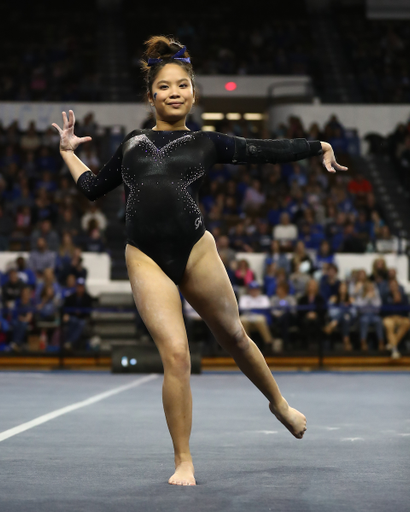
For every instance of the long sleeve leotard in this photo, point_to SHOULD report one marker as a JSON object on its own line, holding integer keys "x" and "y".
{"x": 162, "y": 172}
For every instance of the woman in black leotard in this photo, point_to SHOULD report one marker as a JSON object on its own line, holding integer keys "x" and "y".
{"x": 167, "y": 244}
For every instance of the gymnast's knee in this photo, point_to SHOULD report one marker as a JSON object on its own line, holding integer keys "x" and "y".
{"x": 240, "y": 339}
{"x": 177, "y": 361}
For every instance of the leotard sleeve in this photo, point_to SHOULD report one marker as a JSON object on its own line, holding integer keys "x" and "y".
{"x": 110, "y": 176}
{"x": 238, "y": 150}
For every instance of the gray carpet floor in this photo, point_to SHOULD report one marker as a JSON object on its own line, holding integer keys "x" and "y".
{"x": 116, "y": 454}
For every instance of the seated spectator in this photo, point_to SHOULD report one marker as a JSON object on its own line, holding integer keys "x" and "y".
{"x": 254, "y": 308}
{"x": 357, "y": 280}
{"x": 342, "y": 314}
{"x": 30, "y": 141}
{"x": 368, "y": 305}
{"x": 69, "y": 222}
{"x": 240, "y": 241}
{"x": 75, "y": 320}
{"x": 47, "y": 305}
{"x": 297, "y": 176}
{"x": 94, "y": 213}
{"x": 380, "y": 276}
{"x": 275, "y": 255}
{"x": 254, "y": 197}
{"x": 46, "y": 182}
{"x": 11, "y": 289}
{"x": 65, "y": 253}
{"x": 377, "y": 223}
{"x": 311, "y": 315}
{"x": 396, "y": 317}
{"x": 69, "y": 287}
{"x": 386, "y": 242}
{"x": 364, "y": 228}
{"x": 324, "y": 255}
{"x": 226, "y": 254}
{"x": 283, "y": 312}
{"x": 22, "y": 318}
{"x": 243, "y": 274}
{"x": 94, "y": 241}
{"x": 309, "y": 237}
{"x": 48, "y": 279}
{"x": 22, "y": 223}
{"x": 74, "y": 267}
{"x": 262, "y": 238}
{"x": 351, "y": 241}
{"x": 6, "y": 228}
{"x": 300, "y": 256}
{"x": 44, "y": 207}
{"x": 285, "y": 232}
{"x": 299, "y": 278}
{"x": 359, "y": 185}
{"x": 329, "y": 282}
{"x": 25, "y": 273}
{"x": 41, "y": 257}
{"x": 47, "y": 232}
{"x": 273, "y": 277}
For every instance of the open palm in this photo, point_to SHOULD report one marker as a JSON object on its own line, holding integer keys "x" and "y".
{"x": 68, "y": 140}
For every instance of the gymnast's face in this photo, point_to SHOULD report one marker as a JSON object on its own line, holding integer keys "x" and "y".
{"x": 172, "y": 93}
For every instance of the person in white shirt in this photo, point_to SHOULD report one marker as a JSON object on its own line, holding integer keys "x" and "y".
{"x": 94, "y": 213}
{"x": 254, "y": 308}
{"x": 285, "y": 232}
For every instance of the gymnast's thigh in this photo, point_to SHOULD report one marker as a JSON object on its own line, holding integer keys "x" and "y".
{"x": 206, "y": 286}
{"x": 158, "y": 301}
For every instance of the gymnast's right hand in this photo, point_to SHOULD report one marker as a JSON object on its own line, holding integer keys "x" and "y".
{"x": 69, "y": 141}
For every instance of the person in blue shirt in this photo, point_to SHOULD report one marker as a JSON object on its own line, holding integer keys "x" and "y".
{"x": 324, "y": 255}
{"x": 329, "y": 282}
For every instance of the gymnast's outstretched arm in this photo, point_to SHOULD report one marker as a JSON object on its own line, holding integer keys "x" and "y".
{"x": 239, "y": 150}
{"x": 92, "y": 186}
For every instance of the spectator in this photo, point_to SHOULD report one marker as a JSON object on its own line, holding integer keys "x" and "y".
{"x": 69, "y": 287}
{"x": 386, "y": 242}
{"x": 341, "y": 314}
{"x": 74, "y": 267}
{"x": 309, "y": 237}
{"x": 262, "y": 238}
{"x": 351, "y": 242}
{"x": 329, "y": 282}
{"x": 226, "y": 254}
{"x": 368, "y": 304}
{"x": 41, "y": 257}
{"x": 76, "y": 313}
{"x": 26, "y": 275}
{"x": 240, "y": 241}
{"x": 22, "y": 318}
{"x": 311, "y": 315}
{"x": 69, "y": 222}
{"x": 275, "y": 255}
{"x": 47, "y": 232}
{"x": 358, "y": 279}
{"x": 283, "y": 313}
{"x": 48, "y": 279}
{"x": 299, "y": 279}
{"x": 11, "y": 290}
{"x": 302, "y": 258}
{"x": 254, "y": 310}
{"x": 285, "y": 232}
{"x": 396, "y": 317}
{"x": 359, "y": 185}
{"x": 94, "y": 241}
{"x": 243, "y": 274}
{"x": 324, "y": 255}
{"x": 380, "y": 275}
{"x": 47, "y": 305}
{"x": 254, "y": 197}
{"x": 273, "y": 279}
{"x": 30, "y": 141}
{"x": 94, "y": 213}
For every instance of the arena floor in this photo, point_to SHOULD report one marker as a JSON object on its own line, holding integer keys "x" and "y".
{"x": 110, "y": 449}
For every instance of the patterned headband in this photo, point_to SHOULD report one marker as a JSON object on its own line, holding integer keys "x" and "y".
{"x": 176, "y": 56}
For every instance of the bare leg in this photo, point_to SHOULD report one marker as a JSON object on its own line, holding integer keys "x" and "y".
{"x": 158, "y": 302}
{"x": 207, "y": 288}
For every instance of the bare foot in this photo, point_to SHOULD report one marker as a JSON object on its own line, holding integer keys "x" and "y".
{"x": 184, "y": 474}
{"x": 292, "y": 419}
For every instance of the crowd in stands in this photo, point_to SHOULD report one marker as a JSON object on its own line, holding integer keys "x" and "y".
{"x": 293, "y": 209}
{"x": 378, "y": 51}
{"x": 45, "y": 59}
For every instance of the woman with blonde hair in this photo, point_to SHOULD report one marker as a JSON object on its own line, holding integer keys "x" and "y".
{"x": 167, "y": 244}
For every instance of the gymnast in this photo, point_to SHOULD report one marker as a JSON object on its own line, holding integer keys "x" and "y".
{"x": 167, "y": 245}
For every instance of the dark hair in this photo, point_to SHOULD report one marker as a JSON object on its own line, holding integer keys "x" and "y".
{"x": 162, "y": 47}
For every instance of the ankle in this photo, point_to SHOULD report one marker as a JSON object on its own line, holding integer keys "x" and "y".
{"x": 182, "y": 458}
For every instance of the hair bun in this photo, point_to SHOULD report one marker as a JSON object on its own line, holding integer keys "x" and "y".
{"x": 162, "y": 47}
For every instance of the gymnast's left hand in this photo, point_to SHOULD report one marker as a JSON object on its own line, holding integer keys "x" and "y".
{"x": 329, "y": 159}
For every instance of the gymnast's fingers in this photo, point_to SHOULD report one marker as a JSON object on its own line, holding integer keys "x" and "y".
{"x": 71, "y": 117}
{"x": 60, "y": 131}
{"x": 339, "y": 167}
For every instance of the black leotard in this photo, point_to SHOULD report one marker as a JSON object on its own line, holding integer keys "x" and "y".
{"x": 162, "y": 172}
